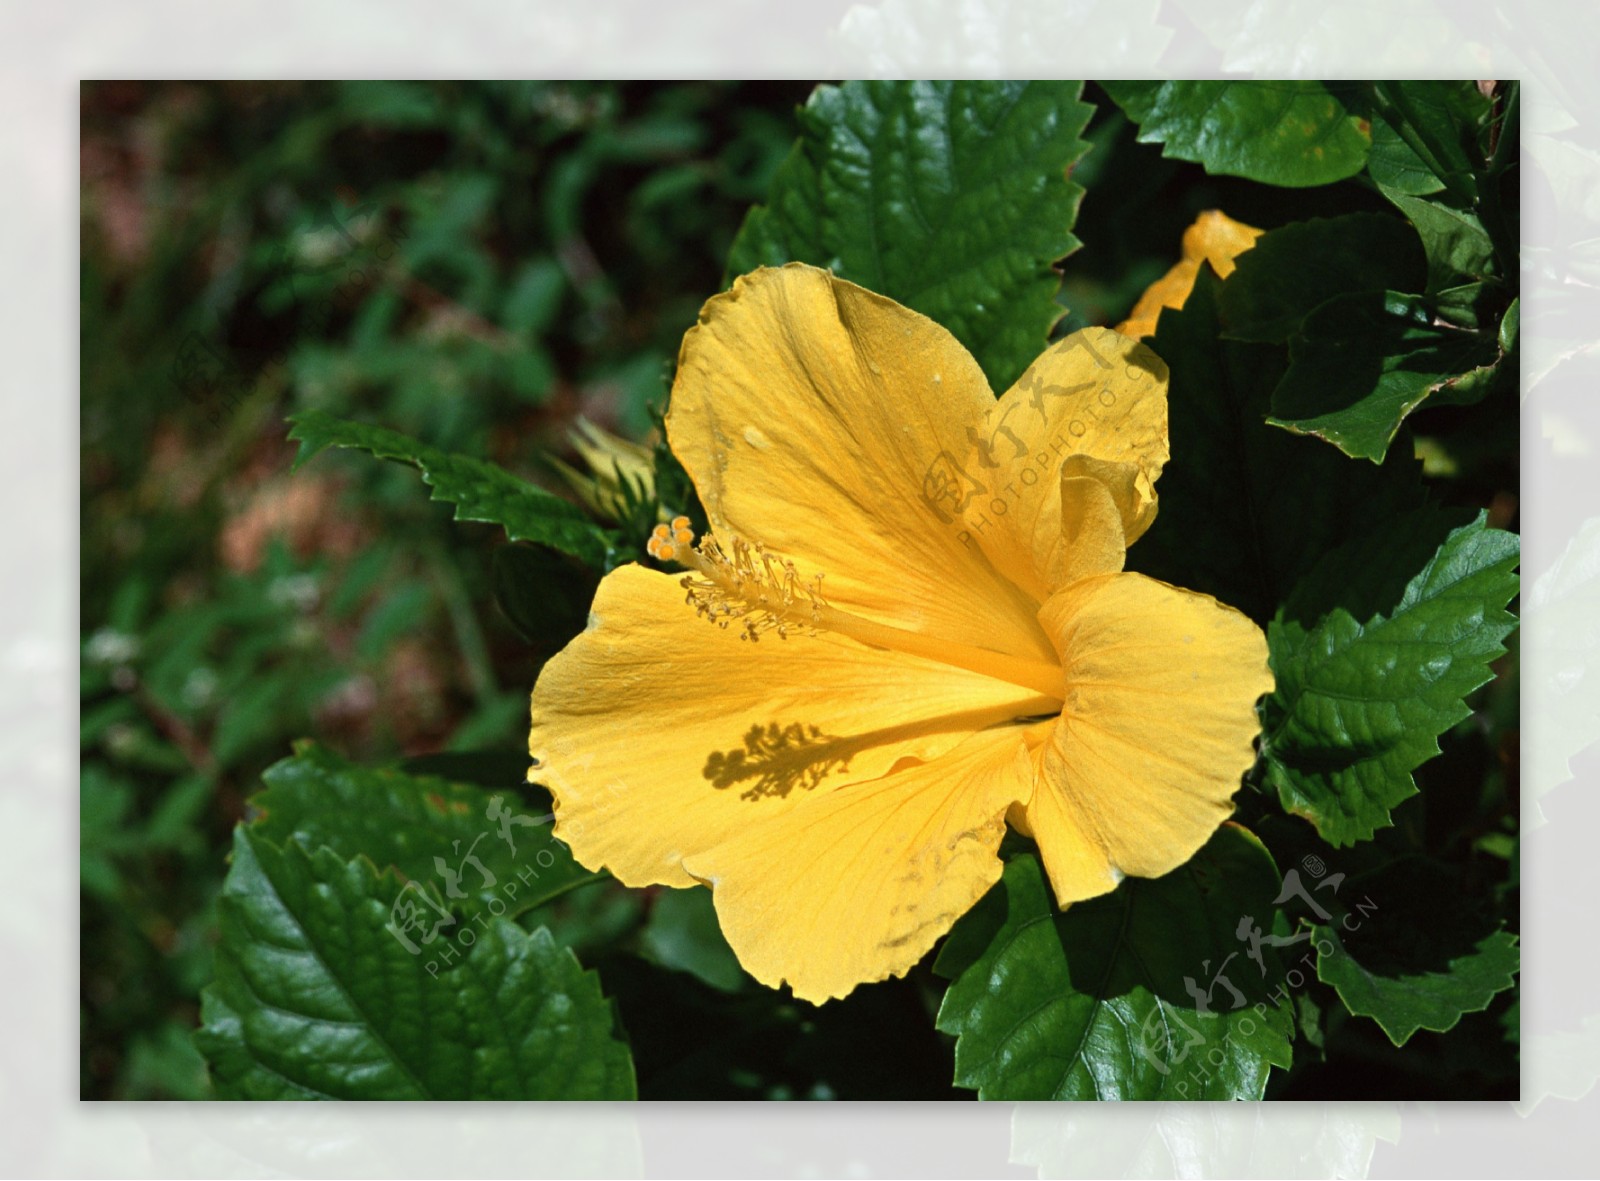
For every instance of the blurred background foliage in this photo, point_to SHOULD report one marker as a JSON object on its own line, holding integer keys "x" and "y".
{"x": 472, "y": 264}
{"x": 477, "y": 265}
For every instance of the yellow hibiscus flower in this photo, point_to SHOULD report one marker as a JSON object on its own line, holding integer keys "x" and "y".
{"x": 1214, "y": 238}
{"x": 908, "y": 623}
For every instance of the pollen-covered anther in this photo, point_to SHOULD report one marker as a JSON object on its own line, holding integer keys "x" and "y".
{"x": 665, "y": 541}
{"x": 745, "y": 584}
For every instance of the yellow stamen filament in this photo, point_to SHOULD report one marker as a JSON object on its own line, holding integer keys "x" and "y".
{"x": 764, "y": 593}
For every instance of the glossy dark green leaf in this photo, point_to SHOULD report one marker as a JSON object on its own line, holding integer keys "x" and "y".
{"x": 1395, "y": 164}
{"x": 1146, "y": 993}
{"x": 481, "y": 491}
{"x": 1412, "y": 951}
{"x": 1293, "y": 134}
{"x": 1291, "y": 271}
{"x": 1511, "y": 328}
{"x": 1435, "y": 1000}
{"x": 1441, "y": 123}
{"x": 1457, "y": 245}
{"x": 545, "y": 594}
{"x": 950, "y": 197}
{"x": 1246, "y": 508}
{"x": 1373, "y": 655}
{"x": 683, "y": 933}
{"x": 1361, "y": 363}
{"x": 473, "y": 849}
{"x": 1501, "y": 371}
{"x": 1467, "y": 305}
{"x": 323, "y": 991}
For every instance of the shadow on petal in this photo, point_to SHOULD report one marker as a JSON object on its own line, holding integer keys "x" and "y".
{"x": 781, "y": 757}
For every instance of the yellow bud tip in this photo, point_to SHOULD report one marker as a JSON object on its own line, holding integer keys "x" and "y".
{"x": 683, "y": 536}
{"x": 666, "y": 552}
{"x": 660, "y": 533}
{"x": 679, "y": 524}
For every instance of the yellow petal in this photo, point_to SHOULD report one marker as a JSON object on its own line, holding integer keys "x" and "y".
{"x": 1094, "y": 395}
{"x": 661, "y": 735}
{"x": 1215, "y": 238}
{"x": 826, "y": 422}
{"x": 1156, "y": 731}
{"x": 857, "y": 884}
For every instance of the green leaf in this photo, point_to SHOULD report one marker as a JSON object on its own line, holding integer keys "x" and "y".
{"x": 1440, "y": 122}
{"x": 1500, "y": 369}
{"x": 1394, "y": 164}
{"x": 1467, "y": 305}
{"x": 1404, "y": 1003}
{"x": 534, "y": 298}
{"x": 683, "y": 933}
{"x": 544, "y": 594}
{"x": 1246, "y": 508}
{"x": 1458, "y": 247}
{"x": 1290, "y": 271}
{"x": 1361, "y": 363}
{"x": 177, "y": 821}
{"x": 1408, "y": 962}
{"x": 104, "y": 830}
{"x": 164, "y": 1064}
{"x": 950, "y": 197}
{"x": 1293, "y": 134}
{"x": 473, "y": 850}
{"x": 1370, "y": 672}
{"x": 481, "y": 491}
{"x": 316, "y": 995}
{"x": 1511, "y": 328}
{"x": 1100, "y": 1001}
